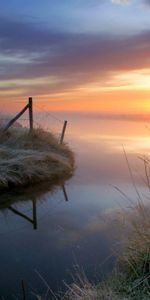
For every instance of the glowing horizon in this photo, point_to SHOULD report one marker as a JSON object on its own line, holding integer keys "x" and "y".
{"x": 52, "y": 54}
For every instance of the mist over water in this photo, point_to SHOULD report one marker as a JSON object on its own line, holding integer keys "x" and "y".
{"x": 51, "y": 230}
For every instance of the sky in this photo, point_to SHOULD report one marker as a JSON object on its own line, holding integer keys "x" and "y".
{"x": 76, "y": 55}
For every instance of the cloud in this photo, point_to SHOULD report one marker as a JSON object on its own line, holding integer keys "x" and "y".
{"x": 73, "y": 59}
{"x": 121, "y": 1}
{"x": 147, "y": 2}
{"x": 124, "y": 2}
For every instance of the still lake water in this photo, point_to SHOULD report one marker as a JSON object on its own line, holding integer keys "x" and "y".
{"x": 50, "y": 232}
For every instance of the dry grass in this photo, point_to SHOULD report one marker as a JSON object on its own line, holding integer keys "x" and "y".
{"x": 134, "y": 263}
{"x": 81, "y": 289}
{"x": 87, "y": 291}
{"x": 131, "y": 276}
{"x": 32, "y": 157}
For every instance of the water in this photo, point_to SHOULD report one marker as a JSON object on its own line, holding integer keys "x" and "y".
{"x": 47, "y": 231}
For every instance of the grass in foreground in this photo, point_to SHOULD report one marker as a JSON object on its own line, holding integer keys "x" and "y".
{"x": 130, "y": 280}
{"x": 27, "y": 158}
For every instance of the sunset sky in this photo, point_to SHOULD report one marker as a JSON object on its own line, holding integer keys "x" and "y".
{"x": 80, "y": 55}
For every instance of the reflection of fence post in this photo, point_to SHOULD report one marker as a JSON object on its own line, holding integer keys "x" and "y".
{"x": 65, "y": 193}
{"x": 34, "y": 214}
{"x": 30, "y": 113}
{"x": 63, "y": 132}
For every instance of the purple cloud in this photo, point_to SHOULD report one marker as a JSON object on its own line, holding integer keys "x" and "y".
{"x": 75, "y": 59}
{"x": 147, "y": 2}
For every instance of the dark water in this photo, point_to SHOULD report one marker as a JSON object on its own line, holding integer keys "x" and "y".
{"x": 47, "y": 231}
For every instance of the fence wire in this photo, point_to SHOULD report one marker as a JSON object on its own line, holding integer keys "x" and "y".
{"x": 42, "y": 117}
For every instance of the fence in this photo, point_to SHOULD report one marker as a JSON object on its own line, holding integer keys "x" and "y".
{"x": 29, "y": 107}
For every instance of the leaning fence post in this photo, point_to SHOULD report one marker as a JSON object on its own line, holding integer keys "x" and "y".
{"x": 63, "y": 132}
{"x": 12, "y": 121}
{"x": 31, "y": 113}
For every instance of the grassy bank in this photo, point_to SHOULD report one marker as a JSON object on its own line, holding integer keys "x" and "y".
{"x": 130, "y": 280}
{"x": 27, "y": 158}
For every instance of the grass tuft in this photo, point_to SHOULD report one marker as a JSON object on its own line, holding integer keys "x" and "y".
{"x": 27, "y": 158}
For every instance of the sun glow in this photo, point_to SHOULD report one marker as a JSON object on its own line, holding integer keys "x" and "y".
{"x": 131, "y": 80}
{"x": 125, "y": 92}
{"x": 135, "y": 80}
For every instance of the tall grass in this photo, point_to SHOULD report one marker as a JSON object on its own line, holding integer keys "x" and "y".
{"x": 32, "y": 157}
{"x": 81, "y": 289}
{"x": 131, "y": 277}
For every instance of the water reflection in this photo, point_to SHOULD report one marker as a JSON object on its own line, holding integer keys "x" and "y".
{"x": 34, "y": 213}
{"x": 70, "y": 231}
{"x": 30, "y": 194}
{"x": 67, "y": 234}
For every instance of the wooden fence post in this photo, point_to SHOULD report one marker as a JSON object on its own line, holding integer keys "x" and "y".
{"x": 63, "y": 132}
{"x": 11, "y": 122}
{"x": 30, "y": 114}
